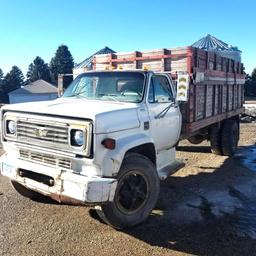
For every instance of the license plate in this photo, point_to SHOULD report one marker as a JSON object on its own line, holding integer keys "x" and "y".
{"x": 8, "y": 170}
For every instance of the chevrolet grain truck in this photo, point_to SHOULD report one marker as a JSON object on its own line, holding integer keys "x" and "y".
{"x": 111, "y": 137}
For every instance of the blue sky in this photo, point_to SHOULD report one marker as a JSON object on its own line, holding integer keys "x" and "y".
{"x": 31, "y": 28}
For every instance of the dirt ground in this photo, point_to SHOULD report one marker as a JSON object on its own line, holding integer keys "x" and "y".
{"x": 206, "y": 208}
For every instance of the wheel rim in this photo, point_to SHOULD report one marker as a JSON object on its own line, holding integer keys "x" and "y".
{"x": 132, "y": 192}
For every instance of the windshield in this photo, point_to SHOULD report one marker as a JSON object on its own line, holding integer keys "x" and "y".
{"x": 110, "y": 86}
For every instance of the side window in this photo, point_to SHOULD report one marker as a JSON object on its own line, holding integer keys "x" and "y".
{"x": 160, "y": 90}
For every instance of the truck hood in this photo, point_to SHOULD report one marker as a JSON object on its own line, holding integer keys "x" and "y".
{"x": 108, "y": 116}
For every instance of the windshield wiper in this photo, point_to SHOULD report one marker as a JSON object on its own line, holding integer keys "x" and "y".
{"x": 111, "y": 96}
{"x": 78, "y": 94}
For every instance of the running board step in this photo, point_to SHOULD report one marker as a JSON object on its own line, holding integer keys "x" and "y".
{"x": 170, "y": 169}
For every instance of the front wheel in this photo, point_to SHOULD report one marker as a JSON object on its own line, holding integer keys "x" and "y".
{"x": 136, "y": 193}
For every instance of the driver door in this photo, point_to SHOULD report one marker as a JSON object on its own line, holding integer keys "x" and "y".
{"x": 165, "y": 116}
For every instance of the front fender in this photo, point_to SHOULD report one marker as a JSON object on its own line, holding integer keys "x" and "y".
{"x": 112, "y": 159}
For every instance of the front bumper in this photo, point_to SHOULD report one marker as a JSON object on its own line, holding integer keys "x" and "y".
{"x": 66, "y": 184}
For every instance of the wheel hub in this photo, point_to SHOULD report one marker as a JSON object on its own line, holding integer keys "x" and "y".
{"x": 132, "y": 192}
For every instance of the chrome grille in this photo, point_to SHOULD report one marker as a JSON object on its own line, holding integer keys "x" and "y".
{"x": 36, "y": 131}
{"x": 47, "y": 131}
{"x": 45, "y": 159}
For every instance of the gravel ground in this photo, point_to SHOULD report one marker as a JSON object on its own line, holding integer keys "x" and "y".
{"x": 207, "y": 208}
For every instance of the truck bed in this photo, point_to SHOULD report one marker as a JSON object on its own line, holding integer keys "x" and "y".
{"x": 216, "y": 90}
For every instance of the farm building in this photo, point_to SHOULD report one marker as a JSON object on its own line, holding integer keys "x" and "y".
{"x": 39, "y": 90}
{"x": 211, "y": 43}
{"x": 87, "y": 64}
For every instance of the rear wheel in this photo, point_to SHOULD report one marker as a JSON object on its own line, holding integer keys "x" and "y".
{"x": 215, "y": 140}
{"x": 196, "y": 139}
{"x": 136, "y": 193}
{"x": 25, "y": 191}
{"x": 230, "y": 137}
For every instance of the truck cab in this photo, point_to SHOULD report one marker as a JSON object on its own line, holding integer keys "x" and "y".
{"x": 107, "y": 141}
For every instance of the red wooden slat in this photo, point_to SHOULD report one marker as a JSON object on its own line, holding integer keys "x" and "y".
{"x": 132, "y": 59}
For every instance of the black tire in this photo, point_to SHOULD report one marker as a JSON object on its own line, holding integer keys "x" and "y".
{"x": 215, "y": 140}
{"x": 136, "y": 193}
{"x": 196, "y": 139}
{"x": 25, "y": 191}
{"x": 229, "y": 137}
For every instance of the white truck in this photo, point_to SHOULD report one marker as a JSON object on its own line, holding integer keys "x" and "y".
{"x": 107, "y": 141}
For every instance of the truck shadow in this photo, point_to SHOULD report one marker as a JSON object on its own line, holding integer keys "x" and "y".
{"x": 210, "y": 213}
{"x": 205, "y": 214}
{"x": 44, "y": 200}
{"x": 195, "y": 149}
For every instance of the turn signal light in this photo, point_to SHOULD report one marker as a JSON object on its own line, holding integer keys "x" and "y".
{"x": 109, "y": 143}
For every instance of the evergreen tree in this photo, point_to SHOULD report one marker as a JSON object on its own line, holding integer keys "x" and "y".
{"x": 38, "y": 69}
{"x": 250, "y": 84}
{"x": 1, "y": 82}
{"x": 3, "y": 96}
{"x": 253, "y": 76}
{"x": 13, "y": 80}
{"x": 1, "y": 74}
{"x": 1, "y": 78}
{"x": 62, "y": 63}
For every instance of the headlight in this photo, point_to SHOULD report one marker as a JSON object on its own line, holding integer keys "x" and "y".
{"x": 77, "y": 138}
{"x": 11, "y": 127}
